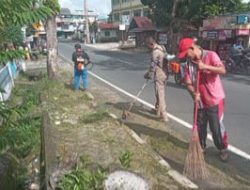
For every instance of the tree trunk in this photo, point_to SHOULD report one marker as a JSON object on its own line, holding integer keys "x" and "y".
{"x": 171, "y": 32}
{"x": 51, "y": 34}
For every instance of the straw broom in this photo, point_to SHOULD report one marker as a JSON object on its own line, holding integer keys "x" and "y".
{"x": 195, "y": 166}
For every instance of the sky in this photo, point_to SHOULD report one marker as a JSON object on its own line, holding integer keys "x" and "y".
{"x": 103, "y": 7}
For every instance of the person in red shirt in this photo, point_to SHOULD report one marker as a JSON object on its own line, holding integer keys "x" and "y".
{"x": 211, "y": 96}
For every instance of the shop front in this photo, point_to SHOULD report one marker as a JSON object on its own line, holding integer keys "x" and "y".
{"x": 220, "y": 33}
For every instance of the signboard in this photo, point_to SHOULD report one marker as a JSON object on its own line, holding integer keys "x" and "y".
{"x": 228, "y": 33}
{"x": 126, "y": 20}
{"x": 204, "y": 34}
{"x": 122, "y": 27}
{"x": 242, "y": 19}
{"x": 222, "y": 35}
{"x": 162, "y": 38}
{"x": 242, "y": 32}
{"x": 212, "y": 35}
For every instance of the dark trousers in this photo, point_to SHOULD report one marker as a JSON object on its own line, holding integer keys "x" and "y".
{"x": 214, "y": 116}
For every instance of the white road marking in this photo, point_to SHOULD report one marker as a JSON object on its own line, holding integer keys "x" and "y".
{"x": 178, "y": 120}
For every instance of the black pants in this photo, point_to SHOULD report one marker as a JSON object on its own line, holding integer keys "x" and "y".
{"x": 213, "y": 116}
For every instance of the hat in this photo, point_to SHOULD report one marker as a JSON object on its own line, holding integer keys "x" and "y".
{"x": 184, "y": 45}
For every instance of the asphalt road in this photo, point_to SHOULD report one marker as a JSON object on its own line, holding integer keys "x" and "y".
{"x": 126, "y": 70}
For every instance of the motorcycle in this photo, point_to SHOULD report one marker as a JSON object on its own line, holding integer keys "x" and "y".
{"x": 242, "y": 66}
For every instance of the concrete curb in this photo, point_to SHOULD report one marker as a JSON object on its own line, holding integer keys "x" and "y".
{"x": 179, "y": 178}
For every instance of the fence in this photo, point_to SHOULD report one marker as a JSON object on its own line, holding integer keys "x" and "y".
{"x": 7, "y": 75}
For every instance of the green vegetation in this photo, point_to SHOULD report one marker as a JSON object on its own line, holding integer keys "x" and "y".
{"x": 14, "y": 14}
{"x": 126, "y": 158}
{"x": 175, "y": 13}
{"x": 83, "y": 178}
{"x": 20, "y": 129}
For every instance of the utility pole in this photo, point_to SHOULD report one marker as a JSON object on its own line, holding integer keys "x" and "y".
{"x": 86, "y": 22}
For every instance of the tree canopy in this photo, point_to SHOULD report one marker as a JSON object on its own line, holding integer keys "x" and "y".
{"x": 14, "y": 14}
{"x": 163, "y": 12}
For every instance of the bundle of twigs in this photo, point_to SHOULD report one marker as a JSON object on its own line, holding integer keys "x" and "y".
{"x": 195, "y": 165}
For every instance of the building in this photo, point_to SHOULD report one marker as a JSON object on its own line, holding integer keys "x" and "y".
{"x": 70, "y": 23}
{"x": 125, "y": 10}
{"x": 141, "y": 27}
{"x": 108, "y": 32}
{"x": 221, "y": 32}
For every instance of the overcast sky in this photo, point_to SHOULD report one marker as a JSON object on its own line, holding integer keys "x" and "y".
{"x": 99, "y": 6}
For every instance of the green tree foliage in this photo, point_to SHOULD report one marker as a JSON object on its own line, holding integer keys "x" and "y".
{"x": 15, "y": 14}
{"x": 22, "y": 12}
{"x": 191, "y": 11}
{"x": 11, "y": 34}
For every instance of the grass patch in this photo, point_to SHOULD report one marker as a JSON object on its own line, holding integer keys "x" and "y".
{"x": 95, "y": 117}
{"x": 126, "y": 158}
{"x": 83, "y": 178}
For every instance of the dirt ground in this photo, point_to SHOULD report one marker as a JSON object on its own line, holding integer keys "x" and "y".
{"x": 81, "y": 126}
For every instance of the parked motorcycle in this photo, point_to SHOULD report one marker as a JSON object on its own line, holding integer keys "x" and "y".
{"x": 240, "y": 66}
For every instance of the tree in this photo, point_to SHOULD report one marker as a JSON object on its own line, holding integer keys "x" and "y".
{"x": 191, "y": 11}
{"x": 14, "y": 14}
{"x": 176, "y": 14}
{"x": 51, "y": 34}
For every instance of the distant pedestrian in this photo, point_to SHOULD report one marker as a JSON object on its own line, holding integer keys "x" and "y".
{"x": 211, "y": 97}
{"x": 156, "y": 71}
{"x": 80, "y": 59}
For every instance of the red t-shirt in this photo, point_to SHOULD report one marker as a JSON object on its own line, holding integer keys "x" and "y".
{"x": 210, "y": 87}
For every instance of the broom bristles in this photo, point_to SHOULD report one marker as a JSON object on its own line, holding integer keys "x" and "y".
{"x": 195, "y": 165}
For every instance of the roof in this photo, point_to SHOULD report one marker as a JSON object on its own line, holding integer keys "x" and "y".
{"x": 137, "y": 30}
{"x": 141, "y": 24}
{"x": 108, "y": 26}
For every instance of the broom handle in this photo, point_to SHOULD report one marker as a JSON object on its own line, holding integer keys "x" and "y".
{"x": 196, "y": 102}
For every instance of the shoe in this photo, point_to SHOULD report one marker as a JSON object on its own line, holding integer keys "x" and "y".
{"x": 224, "y": 155}
{"x": 165, "y": 118}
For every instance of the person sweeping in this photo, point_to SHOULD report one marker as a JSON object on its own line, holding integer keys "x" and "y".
{"x": 206, "y": 66}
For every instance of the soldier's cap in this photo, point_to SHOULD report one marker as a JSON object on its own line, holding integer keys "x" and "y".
{"x": 184, "y": 45}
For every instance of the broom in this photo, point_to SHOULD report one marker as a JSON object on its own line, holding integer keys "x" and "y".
{"x": 195, "y": 166}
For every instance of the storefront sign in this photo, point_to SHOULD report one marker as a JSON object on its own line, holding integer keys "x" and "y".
{"x": 242, "y": 19}
{"x": 228, "y": 33}
{"x": 224, "y": 34}
{"x": 204, "y": 34}
{"x": 242, "y": 32}
{"x": 212, "y": 35}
